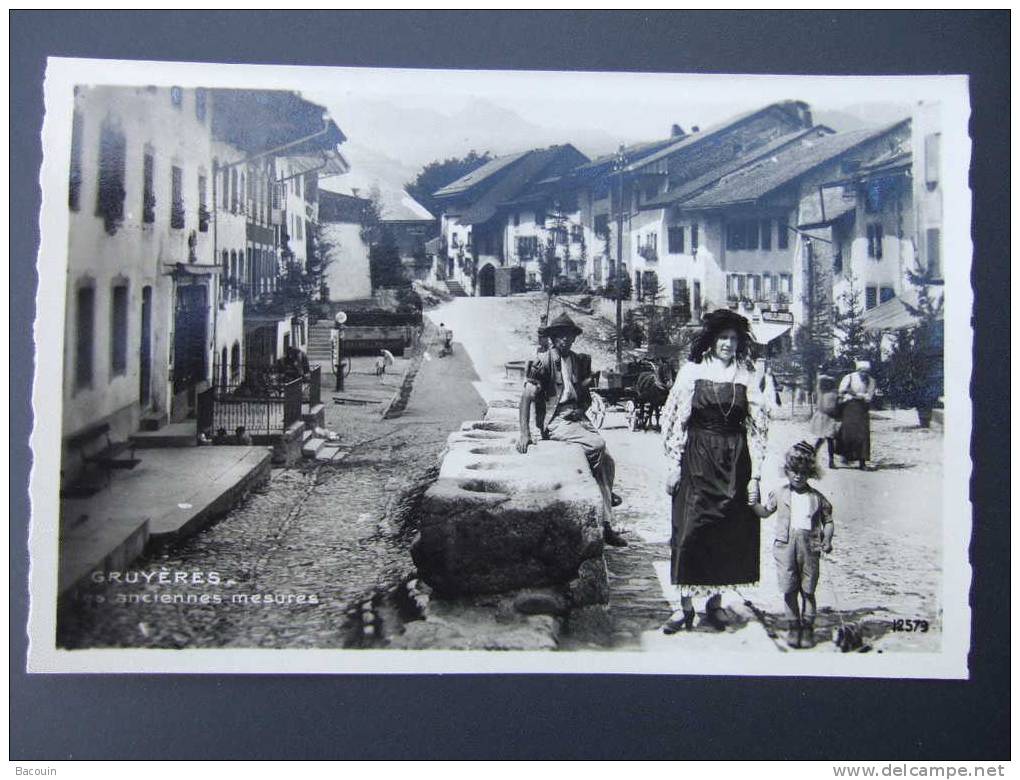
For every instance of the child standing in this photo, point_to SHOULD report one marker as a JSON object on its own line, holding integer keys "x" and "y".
{"x": 803, "y": 530}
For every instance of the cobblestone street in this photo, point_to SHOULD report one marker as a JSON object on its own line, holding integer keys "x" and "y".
{"x": 320, "y": 539}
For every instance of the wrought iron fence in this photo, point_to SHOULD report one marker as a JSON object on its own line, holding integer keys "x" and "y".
{"x": 264, "y": 400}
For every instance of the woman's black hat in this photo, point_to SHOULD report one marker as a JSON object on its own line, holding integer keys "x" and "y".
{"x": 714, "y": 323}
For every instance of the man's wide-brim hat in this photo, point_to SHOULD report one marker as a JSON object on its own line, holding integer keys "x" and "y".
{"x": 562, "y": 324}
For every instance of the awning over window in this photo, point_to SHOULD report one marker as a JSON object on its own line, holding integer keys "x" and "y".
{"x": 767, "y": 332}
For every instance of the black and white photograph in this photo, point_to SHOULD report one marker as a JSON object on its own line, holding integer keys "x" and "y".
{"x": 395, "y": 370}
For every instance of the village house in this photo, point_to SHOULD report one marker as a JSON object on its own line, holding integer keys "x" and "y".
{"x": 161, "y": 260}
{"x": 347, "y": 275}
{"x": 288, "y": 143}
{"x": 474, "y": 237}
{"x": 141, "y": 275}
{"x": 737, "y": 229}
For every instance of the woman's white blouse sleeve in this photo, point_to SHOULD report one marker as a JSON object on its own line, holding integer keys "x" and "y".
{"x": 677, "y": 412}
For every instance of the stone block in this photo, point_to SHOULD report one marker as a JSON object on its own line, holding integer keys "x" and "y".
{"x": 540, "y": 602}
{"x": 460, "y": 625}
{"x": 591, "y": 586}
{"x": 590, "y": 624}
{"x": 502, "y": 414}
{"x": 496, "y": 520}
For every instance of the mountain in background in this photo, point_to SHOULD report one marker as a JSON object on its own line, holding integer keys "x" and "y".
{"x": 389, "y": 139}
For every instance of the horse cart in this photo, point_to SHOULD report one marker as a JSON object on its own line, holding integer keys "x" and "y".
{"x": 640, "y": 390}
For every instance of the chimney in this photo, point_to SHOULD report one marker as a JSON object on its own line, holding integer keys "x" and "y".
{"x": 677, "y": 131}
{"x": 695, "y": 129}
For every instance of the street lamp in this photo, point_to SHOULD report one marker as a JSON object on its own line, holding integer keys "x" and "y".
{"x": 338, "y": 348}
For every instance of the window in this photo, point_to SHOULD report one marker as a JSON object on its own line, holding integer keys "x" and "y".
{"x": 931, "y": 160}
{"x": 85, "y": 316}
{"x": 74, "y": 178}
{"x": 886, "y": 294}
{"x": 177, "y": 198}
{"x": 517, "y": 218}
{"x": 148, "y": 196}
{"x": 650, "y": 282}
{"x": 782, "y": 233}
{"x": 870, "y": 297}
{"x": 785, "y": 284}
{"x": 694, "y": 238}
{"x": 837, "y": 261}
{"x": 637, "y": 285}
{"x": 766, "y": 234}
{"x": 675, "y": 240}
{"x": 235, "y": 363}
{"x": 602, "y": 225}
{"x": 110, "y": 198}
{"x": 742, "y": 234}
{"x": 176, "y": 96}
{"x": 576, "y": 234}
{"x": 200, "y": 98}
{"x": 733, "y": 285}
{"x": 681, "y": 293}
{"x": 934, "y": 247}
{"x": 300, "y": 229}
{"x": 527, "y": 246}
{"x": 754, "y": 287}
{"x": 874, "y": 231}
{"x": 203, "y": 209}
{"x": 540, "y": 218}
{"x": 233, "y": 190}
{"x": 297, "y": 186}
{"x": 697, "y": 298}
{"x": 225, "y": 203}
{"x": 119, "y": 330}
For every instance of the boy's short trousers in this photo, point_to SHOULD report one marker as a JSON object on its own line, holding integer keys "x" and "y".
{"x": 797, "y": 561}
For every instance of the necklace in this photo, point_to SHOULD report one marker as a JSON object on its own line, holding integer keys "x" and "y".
{"x": 733, "y": 396}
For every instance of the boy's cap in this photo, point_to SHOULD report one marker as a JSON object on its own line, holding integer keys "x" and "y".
{"x": 802, "y": 448}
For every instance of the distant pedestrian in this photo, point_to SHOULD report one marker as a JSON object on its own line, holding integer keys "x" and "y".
{"x": 825, "y": 420}
{"x": 802, "y": 531}
{"x": 446, "y": 335}
{"x": 856, "y": 392}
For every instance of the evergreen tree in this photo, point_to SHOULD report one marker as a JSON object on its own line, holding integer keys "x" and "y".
{"x": 438, "y": 174}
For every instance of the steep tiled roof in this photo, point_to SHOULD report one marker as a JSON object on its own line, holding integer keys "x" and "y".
{"x": 694, "y": 138}
{"x": 695, "y": 186}
{"x": 477, "y": 176}
{"x": 767, "y": 175}
{"x": 512, "y": 184}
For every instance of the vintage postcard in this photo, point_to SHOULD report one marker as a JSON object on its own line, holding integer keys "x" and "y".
{"x": 372, "y": 370}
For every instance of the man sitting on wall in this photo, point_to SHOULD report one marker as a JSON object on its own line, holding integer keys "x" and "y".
{"x": 558, "y": 382}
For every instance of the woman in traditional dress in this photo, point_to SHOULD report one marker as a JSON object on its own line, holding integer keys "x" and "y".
{"x": 714, "y": 407}
{"x": 825, "y": 420}
{"x": 856, "y": 392}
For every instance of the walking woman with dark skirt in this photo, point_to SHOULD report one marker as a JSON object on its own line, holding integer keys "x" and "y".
{"x": 715, "y": 408}
{"x": 856, "y": 392}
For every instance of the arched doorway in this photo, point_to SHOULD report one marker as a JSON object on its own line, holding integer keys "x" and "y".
{"x": 487, "y": 281}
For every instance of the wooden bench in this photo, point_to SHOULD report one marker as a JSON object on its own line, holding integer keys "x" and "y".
{"x": 94, "y": 446}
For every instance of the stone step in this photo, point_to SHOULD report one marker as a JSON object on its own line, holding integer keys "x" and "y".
{"x": 311, "y": 447}
{"x": 99, "y": 544}
{"x": 331, "y": 453}
{"x": 181, "y": 434}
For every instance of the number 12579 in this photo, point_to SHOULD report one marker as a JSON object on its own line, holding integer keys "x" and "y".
{"x": 907, "y": 624}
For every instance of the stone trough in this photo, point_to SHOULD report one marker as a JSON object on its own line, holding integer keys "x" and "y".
{"x": 497, "y": 521}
